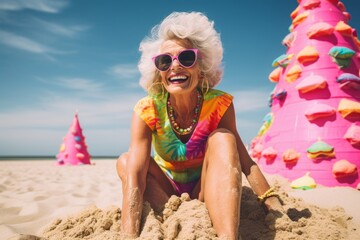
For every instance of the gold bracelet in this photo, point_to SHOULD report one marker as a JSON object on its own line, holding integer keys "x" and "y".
{"x": 267, "y": 194}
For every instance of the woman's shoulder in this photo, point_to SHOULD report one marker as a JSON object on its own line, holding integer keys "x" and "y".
{"x": 215, "y": 93}
{"x": 150, "y": 103}
{"x": 145, "y": 105}
{"x": 144, "y": 101}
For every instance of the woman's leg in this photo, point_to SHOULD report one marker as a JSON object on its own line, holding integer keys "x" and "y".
{"x": 158, "y": 188}
{"x": 220, "y": 186}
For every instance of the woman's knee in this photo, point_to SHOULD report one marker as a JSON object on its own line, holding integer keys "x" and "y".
{"x": 121, "y": 165}
{"x": 221, "y": 159}
{"x": 222, "y": 148}
{"x": 222, "y": 137}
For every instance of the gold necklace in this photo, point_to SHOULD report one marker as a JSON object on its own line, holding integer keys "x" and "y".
{"x": 175, "y": 126}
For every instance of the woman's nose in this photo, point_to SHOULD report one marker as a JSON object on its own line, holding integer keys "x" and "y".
{"x": 175, "y": 64}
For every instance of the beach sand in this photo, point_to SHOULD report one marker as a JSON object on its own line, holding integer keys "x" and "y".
{"x": 39, "y": 200}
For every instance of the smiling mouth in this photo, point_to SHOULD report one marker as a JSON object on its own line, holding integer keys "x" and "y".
{"x": 178, "y": 79}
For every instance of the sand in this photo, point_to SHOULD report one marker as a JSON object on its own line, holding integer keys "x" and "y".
{"x": 41, "y": 201}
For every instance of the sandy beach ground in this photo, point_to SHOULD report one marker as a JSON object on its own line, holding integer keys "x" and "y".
{"x": 39, "y": 200}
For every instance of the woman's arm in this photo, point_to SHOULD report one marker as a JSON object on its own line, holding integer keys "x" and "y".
{"x": 251, "y": 170}
{"x": 136, "y": 170}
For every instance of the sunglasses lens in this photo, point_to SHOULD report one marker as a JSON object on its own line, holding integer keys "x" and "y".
{"x": 187, "y": 58}
{"x": 163, "y": 62}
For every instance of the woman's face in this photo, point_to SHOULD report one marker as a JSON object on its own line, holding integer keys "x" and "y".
{"x": 177, "y": 79}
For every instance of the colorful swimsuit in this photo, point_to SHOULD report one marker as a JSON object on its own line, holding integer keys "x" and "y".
{"x": 182, "y": 162}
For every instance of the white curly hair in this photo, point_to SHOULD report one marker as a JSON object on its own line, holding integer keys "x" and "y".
{"x": 195, "y": 28}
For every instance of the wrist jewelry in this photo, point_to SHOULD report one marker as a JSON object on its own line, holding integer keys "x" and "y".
{"x": 269, "y": 193}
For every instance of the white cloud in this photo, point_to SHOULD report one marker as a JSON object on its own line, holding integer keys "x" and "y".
{"x": 39, "y": 130}
{"x": 250, "y": 100}
{"x": 28, "y": 45}
{"x": 56, "y": 109}
{"x": 68, "y": 31}
{"x": 80, "y": 84}
{"x": 34, "y": 26}
{"x": 23, "y": 43}
{"x": 124, "y": 71}
{"x": 48, "y": 6}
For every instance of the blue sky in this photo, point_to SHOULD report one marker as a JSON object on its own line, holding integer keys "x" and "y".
{"x": 57, "y": 57}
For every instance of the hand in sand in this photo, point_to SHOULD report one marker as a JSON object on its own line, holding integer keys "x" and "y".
{"x": 276, "y": 217}
{"x": 273, "y": 203}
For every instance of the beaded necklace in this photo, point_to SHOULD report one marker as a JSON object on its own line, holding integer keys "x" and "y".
{"x": 175, "y": 126}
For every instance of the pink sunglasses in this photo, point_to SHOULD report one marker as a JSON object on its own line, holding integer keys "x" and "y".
{"x": 186, "y": 58}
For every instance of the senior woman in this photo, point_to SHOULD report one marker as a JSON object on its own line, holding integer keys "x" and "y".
{"x": 191, "y": 126}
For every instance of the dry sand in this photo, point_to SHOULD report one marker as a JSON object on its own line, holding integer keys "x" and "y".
{"x": 41, "y": 201}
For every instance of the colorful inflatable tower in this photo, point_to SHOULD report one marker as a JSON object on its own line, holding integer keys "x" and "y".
{"x": 313, "y": 129}
{"x": 73, "y": 150}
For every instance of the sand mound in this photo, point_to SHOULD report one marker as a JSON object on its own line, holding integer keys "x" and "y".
{"x": 302, "y": 221}
{"x": 183, "y": 218}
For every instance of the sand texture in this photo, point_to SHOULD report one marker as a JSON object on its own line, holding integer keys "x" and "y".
{"x": 84, "y": 203}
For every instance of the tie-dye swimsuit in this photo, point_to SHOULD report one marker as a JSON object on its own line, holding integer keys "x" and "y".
{"x": 182, "y": 162}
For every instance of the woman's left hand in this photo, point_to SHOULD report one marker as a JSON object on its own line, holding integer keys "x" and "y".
{"x": 273, "y": 203}
{"x": 277, "y": 217}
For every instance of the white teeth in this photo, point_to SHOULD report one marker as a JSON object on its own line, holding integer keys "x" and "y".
{"x": 175, "y": 78}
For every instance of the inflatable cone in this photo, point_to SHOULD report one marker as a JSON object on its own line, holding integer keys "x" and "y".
{"x": 314, "y": 123}
{"x": 73, "y": 150}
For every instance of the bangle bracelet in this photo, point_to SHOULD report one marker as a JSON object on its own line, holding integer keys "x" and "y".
{"x": 267, "y": 194}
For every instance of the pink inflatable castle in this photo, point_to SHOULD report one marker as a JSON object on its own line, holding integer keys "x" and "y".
{"x": 73, "y": 150}
{"x": 313, "y": 128}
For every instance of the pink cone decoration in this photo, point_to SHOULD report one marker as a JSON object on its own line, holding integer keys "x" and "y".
{"x": 73, "y": 150}
{"x": 317, "y": 104}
